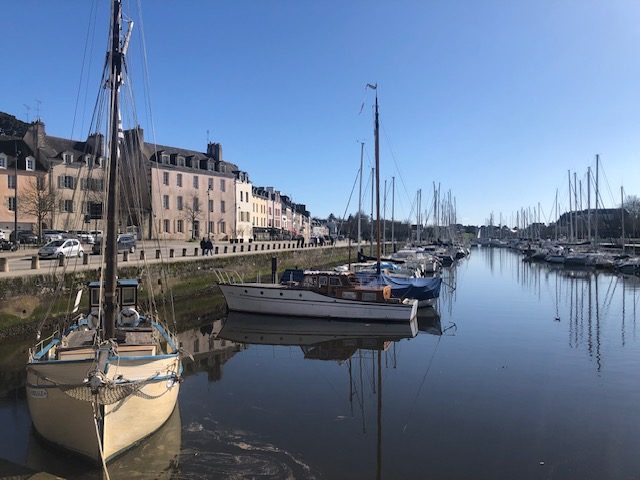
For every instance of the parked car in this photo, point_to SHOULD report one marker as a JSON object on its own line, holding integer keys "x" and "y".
{"x": 50, "y": 235}
{"x": 24, "y": 236}
{"x": 126, "y": 243}
{"x": 82, "y": 235}
{"x": 62, "y": 248}
{"x": 7, "y": 245}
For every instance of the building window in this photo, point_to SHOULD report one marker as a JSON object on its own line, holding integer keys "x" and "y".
{"x": 11, "y": 181}
{"x": 180, "y": 226}
{"x": 165, "y": 178}
{"x": 67, "y": 158}
{"x": 211, "y": 184}
{"x": 165, "y": 159}
{"x": 100, "y": 161}
{"x": 30, "y": 164}
{"x": 211, "y": 205}
{"x": 196, "y": 182}
{"x": 12, "y": 204}
{"x": 66, "y": 206}
{"x": 88, "y": 159}
{"x": 165, "y": 202}
{"x": 196, "y": 204}
{"x": 222, "y": 207}
{"x": 223, "y": 228}
{"x": 3, "y": 161}
{"x": 222, "y": 185}
{"x": 179, "y": 203}
{"x": 66, "y": 181}
{"x": 181, "y": 161}
{"x": 167, "y": 226}
{"x": 210, "y": 227}
{"x": 179, "y": 179}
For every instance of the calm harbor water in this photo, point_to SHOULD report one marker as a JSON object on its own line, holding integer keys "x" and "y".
{"x": 525, "y": 371}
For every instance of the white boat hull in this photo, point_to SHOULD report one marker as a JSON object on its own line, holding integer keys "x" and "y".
{"x": 69, "y": 422}
{"x": 282, "y": 300}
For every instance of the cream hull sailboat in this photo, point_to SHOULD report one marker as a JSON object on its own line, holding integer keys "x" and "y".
{"x": 65, "y": 412}
{"x": 112, "y": 377}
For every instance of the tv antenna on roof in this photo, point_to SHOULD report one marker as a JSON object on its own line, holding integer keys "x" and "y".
{"x": 38, "y": 102}
{"x": 28, "y": 109}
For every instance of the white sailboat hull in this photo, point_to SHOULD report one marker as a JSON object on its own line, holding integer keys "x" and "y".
{"x": 69, "y": 422}
{"x": 282, "y": 300}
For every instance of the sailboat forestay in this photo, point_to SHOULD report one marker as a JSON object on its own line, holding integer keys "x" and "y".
{"x": 112, "y": 377}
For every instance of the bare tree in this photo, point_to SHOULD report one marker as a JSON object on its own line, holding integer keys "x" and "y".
{"x": 192, "y": 213}
{"x": 632, "y": 204}
{"x": 39, "y": 199}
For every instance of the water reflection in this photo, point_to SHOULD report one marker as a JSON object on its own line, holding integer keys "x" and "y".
{"x": 155, "y": 457}
{"x": 591, "y": 303}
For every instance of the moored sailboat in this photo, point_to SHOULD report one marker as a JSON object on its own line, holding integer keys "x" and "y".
{"x": 112, "y": 377}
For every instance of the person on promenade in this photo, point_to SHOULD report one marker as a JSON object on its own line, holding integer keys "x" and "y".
{"x": 209, "y": 246}
{"x": 203, "y": 246}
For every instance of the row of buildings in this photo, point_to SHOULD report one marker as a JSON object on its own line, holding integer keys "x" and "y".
{"x": 166, "y": 192}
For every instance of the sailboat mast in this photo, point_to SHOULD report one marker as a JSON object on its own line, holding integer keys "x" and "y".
{"x": 393, "y": 219}
{"x": 111, "y": 252}
{"x": 371, "y": 218}
{"x": 377, "y": 149}
{"x": 622, "y": 214}
{"x": 360, "y": 197}
{"x": 589, "y": 204}
{"x": 597, "y": 194}
{"x": 384, "y": 219}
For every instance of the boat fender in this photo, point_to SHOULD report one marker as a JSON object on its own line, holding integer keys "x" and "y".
{"x": 92, "y": 321}
{"x": 129, "y": 317}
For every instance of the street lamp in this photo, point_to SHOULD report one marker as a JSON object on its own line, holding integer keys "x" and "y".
{"x": 209, "y": 212}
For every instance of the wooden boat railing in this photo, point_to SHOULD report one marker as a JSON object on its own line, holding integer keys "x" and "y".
{"x": 230, "y": 277}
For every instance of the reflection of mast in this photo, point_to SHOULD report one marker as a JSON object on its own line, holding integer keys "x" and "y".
{"x": 598, "y": 359}
{"x": 379, "y": 443}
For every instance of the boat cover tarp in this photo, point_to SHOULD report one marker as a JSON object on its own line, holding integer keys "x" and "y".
{"x": 415, "y": 288}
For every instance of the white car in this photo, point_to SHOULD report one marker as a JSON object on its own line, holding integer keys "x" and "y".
{"x": 62, "y": 248}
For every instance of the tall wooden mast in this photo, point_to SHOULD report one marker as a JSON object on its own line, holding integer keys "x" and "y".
{"x": 111, "y": 252}
{"x": 377, "y": 147}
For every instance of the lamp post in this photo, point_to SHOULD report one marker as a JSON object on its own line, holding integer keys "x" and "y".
{"x": 15, "y": 189}
{"x": 208, "y": 213}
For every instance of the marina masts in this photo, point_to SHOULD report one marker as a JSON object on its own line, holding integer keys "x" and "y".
{"x": 360, "y": 197}
{"x": 597, "y": 193}
{"x": 377, "y": 152}
{"x": 393, "y": 220}
{"x": 111, "y": 253}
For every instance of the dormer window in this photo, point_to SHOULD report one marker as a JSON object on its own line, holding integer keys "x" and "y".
{"x": 165, "y": 159}
{"x": 30, "y": 164}
{"x": 88, "y": 159}
{"x": 181, "y": 162}
{"x": 67, "y": 158}
{"x": 100, "y": 162}
{"x": 211, "y": 166}
{"x": 223, "y": 168}
{"x": 3, "y": 161}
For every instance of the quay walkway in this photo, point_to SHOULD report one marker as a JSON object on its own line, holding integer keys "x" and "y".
{"x": 26, "y": 262}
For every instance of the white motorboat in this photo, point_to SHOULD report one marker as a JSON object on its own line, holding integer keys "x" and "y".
{"x": 320, "y": 295}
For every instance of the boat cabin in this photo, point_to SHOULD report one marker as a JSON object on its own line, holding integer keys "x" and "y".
{"x": 344, "y": 285}
{"x": 126, "y": 294}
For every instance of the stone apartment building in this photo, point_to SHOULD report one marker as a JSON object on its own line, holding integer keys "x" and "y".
{"x": 259, "y": 216}
{"x": 192, "y": 194}
{"x": 244, "y": 206}
{"x": 165, "y": 191}
{"x": 57, "y": 179}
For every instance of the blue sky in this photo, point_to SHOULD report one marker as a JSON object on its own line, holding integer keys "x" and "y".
{"x": 495, "y": 100}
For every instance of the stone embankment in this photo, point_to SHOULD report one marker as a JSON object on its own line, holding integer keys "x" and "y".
{"x": 187, "y": 285}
